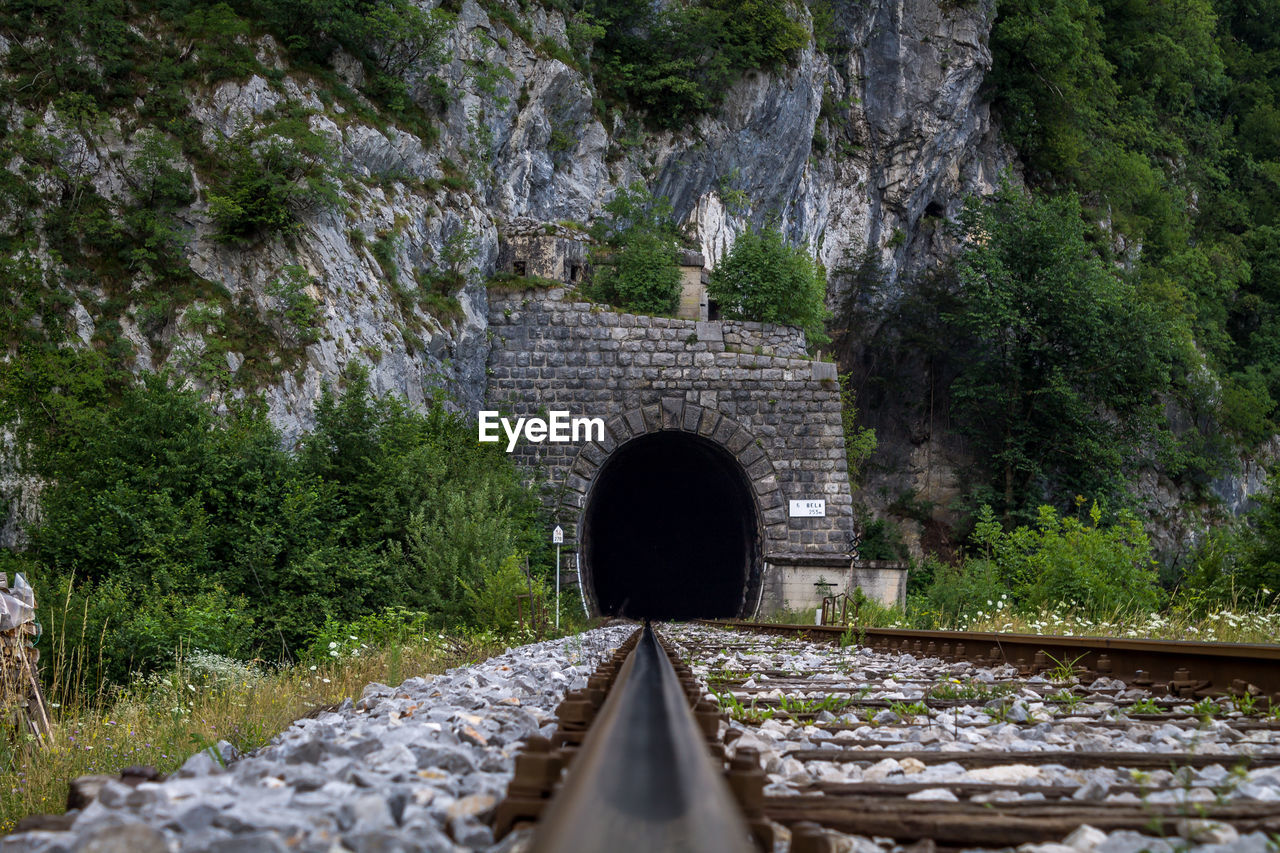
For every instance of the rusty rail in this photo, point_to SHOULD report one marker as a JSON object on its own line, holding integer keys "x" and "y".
{"x": 642, "y": 778}
{"x": 1181, "y": 667}
{"x": 645, "y": 774}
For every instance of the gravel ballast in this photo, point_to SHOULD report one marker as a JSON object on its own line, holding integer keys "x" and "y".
{"x": 414, "y": 767}
{"x": 420, "y": 766}
{"x": 1014, "y": 718}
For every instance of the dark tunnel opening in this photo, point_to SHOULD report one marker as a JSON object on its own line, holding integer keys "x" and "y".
{"x": 670, "y": 531}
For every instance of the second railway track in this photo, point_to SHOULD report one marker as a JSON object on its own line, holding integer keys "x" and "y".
{"x": 829, "y": 748}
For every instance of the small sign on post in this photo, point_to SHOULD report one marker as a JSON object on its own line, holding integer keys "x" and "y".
{"x": 809, "y": 509}
{"x": 557, "y": 539}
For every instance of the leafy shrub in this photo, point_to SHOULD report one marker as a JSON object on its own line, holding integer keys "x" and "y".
{"x": 881, "y": 540}
{"x": 493, "y": 599}
{"x": 639, "y": 269}
{"x": 1097, "y": 571}
{"x": 1239, "y": 563}
{"x": 454, "y": 544}
{"x": 677, "y": 60}
{"x": 100, "y": 633}
{"x": 389, "y": 627}
{"x": 763, "y": 278}
{"x": 958, "y": 592}
{"x": 160, "y": 186}
{"x": 859, "y": 441}
{"x": 458, "y": 254}
{"x": 272, "y": 176}
{"x": 180, "y": 526}
{"x": 299, "y": 312}
{"x": 1100, "y": 570}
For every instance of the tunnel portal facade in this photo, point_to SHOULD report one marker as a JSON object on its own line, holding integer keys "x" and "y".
{"x": 683, "y": 508}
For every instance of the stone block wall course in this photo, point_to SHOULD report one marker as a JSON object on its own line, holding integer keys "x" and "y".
{"x": 747, "y": 386}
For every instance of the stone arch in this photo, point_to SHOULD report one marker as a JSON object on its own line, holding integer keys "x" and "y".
{"x": 676, "y": 415}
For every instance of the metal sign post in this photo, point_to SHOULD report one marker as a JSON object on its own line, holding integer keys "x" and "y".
{"x": 557, "y": 539}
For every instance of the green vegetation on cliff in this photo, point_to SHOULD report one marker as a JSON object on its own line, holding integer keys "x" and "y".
{"x": 676, "y": 60}
{"x": 637, "y": 265}
{"x": 1165, "y": 118}
{"x": 1062, "y": 355}
{"x": 764, "y": 278}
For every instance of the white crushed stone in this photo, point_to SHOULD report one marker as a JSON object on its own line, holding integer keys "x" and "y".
{"x": 1021, "y": 722}
{"x": 416, "y": 767}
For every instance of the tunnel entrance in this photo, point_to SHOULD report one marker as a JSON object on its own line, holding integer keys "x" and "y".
{"x": 670, "y": 531}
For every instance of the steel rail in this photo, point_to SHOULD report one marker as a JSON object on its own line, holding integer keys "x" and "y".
{"x": 1185, "y": 666}
{"x": 643, "y": 778}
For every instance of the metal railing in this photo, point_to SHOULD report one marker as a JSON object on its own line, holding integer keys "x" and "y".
{"x": 643, "y": 778}
{"x": 839, "y": 609}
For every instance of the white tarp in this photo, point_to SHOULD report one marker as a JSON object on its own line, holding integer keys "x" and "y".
{"x": 19, "y": 607}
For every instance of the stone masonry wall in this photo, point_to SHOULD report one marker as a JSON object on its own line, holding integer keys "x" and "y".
{"x": 742, "y": 385}
{"x": 746, "y": 337}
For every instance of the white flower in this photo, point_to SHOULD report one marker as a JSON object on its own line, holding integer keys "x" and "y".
{"x": 333, "y": 644}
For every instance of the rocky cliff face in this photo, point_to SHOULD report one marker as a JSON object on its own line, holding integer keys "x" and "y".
{"x": 856, "y": 151}
{"x": 849, "y": 153}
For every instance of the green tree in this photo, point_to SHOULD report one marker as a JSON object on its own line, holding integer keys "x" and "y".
{"x": 1162, "y": 116}
{"x": 676, "y": 60}
{"x": 639, "y": 268}
{"x": 1050, "y": 80}
{"x": 273, "y": 175}
{"x": 1067, "y": 355}
{"x": 164, "y": 523}
{"x": 764, "y": 278}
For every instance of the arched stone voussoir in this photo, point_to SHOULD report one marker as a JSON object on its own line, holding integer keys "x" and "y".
{"x": 707, "y": 423}
{"x": 739, "y": 441}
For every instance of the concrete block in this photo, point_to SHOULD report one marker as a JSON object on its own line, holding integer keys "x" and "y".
{"x": 711, "y": 331}
{"x": 823, "y": 371}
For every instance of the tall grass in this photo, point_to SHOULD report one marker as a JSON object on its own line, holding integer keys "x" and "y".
{"x": 162, "y": 719}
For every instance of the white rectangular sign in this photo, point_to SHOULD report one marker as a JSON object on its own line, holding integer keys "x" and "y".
{"x": 809, "y": 509}
{"x": 557, "y": 536}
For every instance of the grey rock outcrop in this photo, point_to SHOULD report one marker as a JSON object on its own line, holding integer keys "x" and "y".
{"x": 858, "y": 153}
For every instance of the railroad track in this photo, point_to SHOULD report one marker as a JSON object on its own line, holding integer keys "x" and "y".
{"x": 843, "y": 748}
{"x": 1179, "y": 667}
